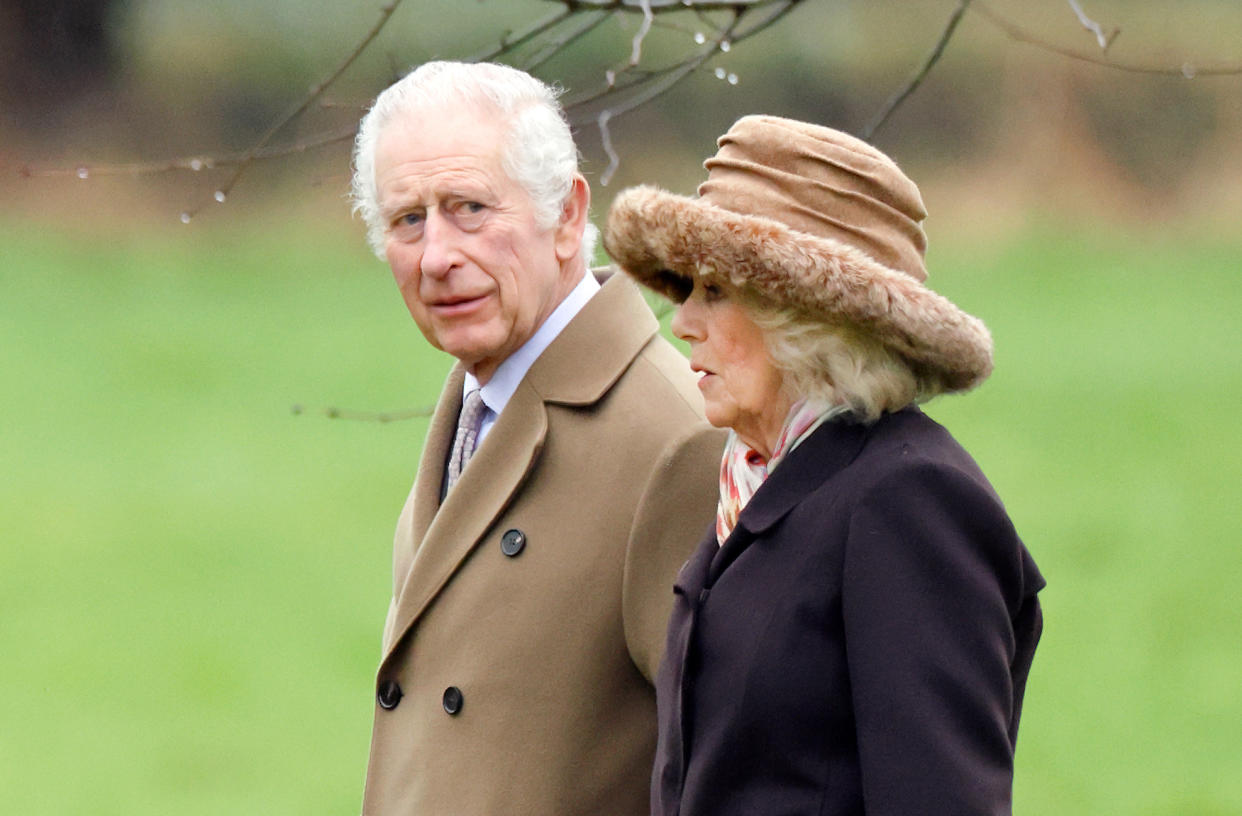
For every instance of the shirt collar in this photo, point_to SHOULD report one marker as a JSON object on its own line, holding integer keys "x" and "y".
{"x": 509, "y": 374}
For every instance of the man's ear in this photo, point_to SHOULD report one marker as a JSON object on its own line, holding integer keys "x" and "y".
{"x": 573, "y": 220}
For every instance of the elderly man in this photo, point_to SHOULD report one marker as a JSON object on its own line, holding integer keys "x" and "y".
{"x": 566, "y": 474}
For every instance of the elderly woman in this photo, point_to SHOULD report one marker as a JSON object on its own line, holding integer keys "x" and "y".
{"x": 854, "y": 635}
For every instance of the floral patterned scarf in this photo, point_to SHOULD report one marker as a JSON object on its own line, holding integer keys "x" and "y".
{"x": 743, "y": 469}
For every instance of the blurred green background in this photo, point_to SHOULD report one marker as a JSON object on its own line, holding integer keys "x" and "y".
{"x": 193, "y": 576}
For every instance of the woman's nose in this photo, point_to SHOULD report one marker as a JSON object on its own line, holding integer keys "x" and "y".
{"x": 686, "y": 324}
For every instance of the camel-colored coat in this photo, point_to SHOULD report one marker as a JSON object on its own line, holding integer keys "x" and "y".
{"x": 523, "y": 682}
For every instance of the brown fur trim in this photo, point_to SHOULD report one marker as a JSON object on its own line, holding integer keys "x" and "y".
{"x": 664, "y": 240}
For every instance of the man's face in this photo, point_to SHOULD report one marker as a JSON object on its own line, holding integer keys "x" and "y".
{"x": 476, "y": 272}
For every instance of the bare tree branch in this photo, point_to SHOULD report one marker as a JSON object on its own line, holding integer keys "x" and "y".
{"x": 386, "y": 12}
{"x": 662, "y": 82}
{"x": 511, "y": 42}
{"x": 555, "y": 45}
{"x": 1188, "y": 69}
{"x": 1105, "y": 39}
{"x": 636, "y": 53}
{"x": 651, "y": 85}
{"x": 540, "y": 40}
{"x": 915, "y": 81}
{"x": 364, "y": 416}
{"x": 658, "y": 6}
{"x": 582, "y": 109}
{"x": 628, "y": 85}
{"x": 191, "y": 163}
{"x": 605, "y": 137}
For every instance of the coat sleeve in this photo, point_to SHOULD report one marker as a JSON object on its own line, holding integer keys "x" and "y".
{"x": 677, "y": 505}
{"x": 933, "y": 574}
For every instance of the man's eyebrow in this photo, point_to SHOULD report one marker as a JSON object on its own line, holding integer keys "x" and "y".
{"x": 400, "y": 205}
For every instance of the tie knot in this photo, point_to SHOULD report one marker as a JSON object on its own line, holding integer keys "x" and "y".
{"x": 472, "y": 409}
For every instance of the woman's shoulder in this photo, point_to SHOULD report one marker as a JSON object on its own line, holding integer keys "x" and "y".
{"x": 906, "y": 449}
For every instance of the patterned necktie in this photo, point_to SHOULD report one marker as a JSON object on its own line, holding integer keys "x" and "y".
{"x": 467, "y": 435}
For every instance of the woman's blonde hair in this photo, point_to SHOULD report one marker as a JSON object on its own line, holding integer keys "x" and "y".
{"x": 838, "y": 364}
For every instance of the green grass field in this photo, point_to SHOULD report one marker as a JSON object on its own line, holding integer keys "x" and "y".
{"x": 193, "y": 578}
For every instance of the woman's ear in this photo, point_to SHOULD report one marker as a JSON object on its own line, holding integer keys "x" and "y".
{"x": 573, "y": 220}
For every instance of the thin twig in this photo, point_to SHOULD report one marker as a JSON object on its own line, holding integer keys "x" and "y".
{"x": 1187, "y": 69}
{"x": 651, "y": 91}
{"x": 511, "y": 42}
{"x": 664, "y": 80}
{"x": 582, "y": 109}
{"x": 553, "y": 47}
{"x": 191, "y": 163}
{"x": 659, "y": 6}
{"x": 605, "y": 137}
{"x": 917, "y": 80}
{"x": 1105, "y": 39}
{"x": 386, "y": 12}
{"x": 636, "y": 51}
{"x": 547, "y": 36}
{"x": 781, "y": 9}
{"x": 364, "y": 416}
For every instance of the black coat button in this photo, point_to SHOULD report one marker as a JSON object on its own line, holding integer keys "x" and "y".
{"x": 388, "y": 694}
{"x": 453, "y": 700}
{"x": 512, "y": 542}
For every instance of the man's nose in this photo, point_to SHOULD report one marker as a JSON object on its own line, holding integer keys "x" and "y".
{"x": 440, "y": 248}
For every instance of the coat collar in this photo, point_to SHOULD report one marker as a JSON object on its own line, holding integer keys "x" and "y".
{"x": 578, "y": 368}
{"x": 821, "y": 456}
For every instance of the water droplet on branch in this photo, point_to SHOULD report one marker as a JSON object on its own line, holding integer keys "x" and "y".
{"x": 725, "y": 46}
{"x": 1189, "y": 70}
{"x": 219, "y": 196}
{"x": 732, "y": 79}
{"x": 720, "y": 73}
{"x": 83, "y": 173}
{"x": 196, "y": 164}
{"x": 185, "y": 217}
{"x": 700, "y": 37}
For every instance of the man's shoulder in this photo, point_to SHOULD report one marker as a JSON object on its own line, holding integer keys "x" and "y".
{"x": 663, "y": 374}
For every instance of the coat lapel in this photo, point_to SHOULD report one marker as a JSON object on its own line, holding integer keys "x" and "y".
{"x": 825, "y": 452}
{"x": 430, "y": 478}
{"x": 494, "y": 475}
{"x": 692, "y": 577}
{"x": 576, "y": 369}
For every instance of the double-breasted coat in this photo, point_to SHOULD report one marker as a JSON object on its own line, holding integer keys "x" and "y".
{"x": 859, "y": 644}
{"x": 529, "y": 609}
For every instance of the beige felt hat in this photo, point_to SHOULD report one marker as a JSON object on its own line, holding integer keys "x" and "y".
{"x": 810, "y": 218}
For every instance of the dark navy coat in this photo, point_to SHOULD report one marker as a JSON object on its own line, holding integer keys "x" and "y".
{"x": 859, "y": 645}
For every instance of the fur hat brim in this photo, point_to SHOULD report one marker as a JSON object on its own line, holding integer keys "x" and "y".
{"x": 664, "y": 241}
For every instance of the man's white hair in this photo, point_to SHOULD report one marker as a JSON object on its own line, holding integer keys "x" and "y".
{"x": 539, "y": 151}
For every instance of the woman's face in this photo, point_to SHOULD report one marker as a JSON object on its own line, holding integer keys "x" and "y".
{"x": 740, "y": 385}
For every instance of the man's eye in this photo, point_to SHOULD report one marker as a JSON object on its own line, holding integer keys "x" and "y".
{"x": 470, "y": 214}
{"x": 410, "y": 219}
{"x": 712, "y": 292}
